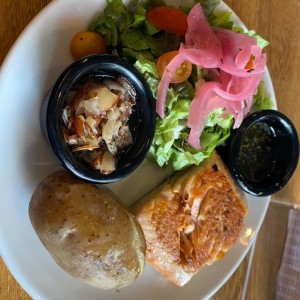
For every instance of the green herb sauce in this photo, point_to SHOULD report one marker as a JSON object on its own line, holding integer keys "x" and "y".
{"x": 257, "y": 157}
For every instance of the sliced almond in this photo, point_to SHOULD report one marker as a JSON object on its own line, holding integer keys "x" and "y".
{"x": 114, "y": 85}
{"x": 70, "y": 139}
{"x": 87, "y": 147}
{"x": 79, "y": 125}
{"x": 105, "y": 162}
{"x": 108, "y": 130}
{"x": 92, "y": 141}
{"x": 89, "y": 107}
{"x": 114, "y": 114}
{"x": 93, "y": 123}
{"x": 106, "y": 98}
{"x": 102, "y": 99}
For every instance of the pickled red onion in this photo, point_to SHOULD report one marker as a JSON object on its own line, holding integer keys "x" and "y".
{"x": 225, "y": 53}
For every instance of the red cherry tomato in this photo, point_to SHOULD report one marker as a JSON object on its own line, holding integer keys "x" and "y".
{"x": 168, "y": 18}
{"x": 86, "y": 42}
{"x": 182, "y": 73}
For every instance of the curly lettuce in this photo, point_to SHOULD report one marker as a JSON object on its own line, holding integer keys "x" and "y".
{"x": 169, "y": 143}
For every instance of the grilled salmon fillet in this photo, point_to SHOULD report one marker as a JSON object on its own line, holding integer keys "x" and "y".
{"x": 191, "y": 220}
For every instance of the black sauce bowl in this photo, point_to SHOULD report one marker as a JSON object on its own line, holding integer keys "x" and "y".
{"x": 141, "y": 122}
{"x": 263, "y": 175}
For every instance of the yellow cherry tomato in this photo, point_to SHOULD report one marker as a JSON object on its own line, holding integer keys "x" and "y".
{"x": 87, "y": 42}
{"x": 183, "y": 71}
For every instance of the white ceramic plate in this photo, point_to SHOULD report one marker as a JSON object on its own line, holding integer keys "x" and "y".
{"x": 30, "y": 69}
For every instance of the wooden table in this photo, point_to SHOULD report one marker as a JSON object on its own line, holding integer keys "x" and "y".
{"x": 278, "y": 21}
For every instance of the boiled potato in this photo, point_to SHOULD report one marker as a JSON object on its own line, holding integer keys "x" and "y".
{"x": 87, "y": 231}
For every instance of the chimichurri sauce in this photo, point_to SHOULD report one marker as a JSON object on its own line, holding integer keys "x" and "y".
{"x": 257, "y": 153}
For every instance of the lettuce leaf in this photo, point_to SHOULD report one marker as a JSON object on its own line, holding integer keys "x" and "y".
{"x": 208, "y": 6}
{"x": 132, "y": 39}
{"x": 115, "y": 19}
{"x": 148, "y": 69}
{"x": 221, "y": 19}
{"x": 262, "y": 100}
{"x": 162, "y": 42}
{"x": 127, "y": 31}
{"x": 170, "y": 141}
{"x": 261, "y": 42}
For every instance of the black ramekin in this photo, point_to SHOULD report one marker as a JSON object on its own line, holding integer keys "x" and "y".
{"x": 141, "y": 122}
{"x": 286, "y": 146}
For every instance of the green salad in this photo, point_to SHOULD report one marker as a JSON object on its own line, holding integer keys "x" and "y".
{"x": 129, "y": 34}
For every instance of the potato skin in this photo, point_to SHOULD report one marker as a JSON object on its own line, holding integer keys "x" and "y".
{"x": 87, "y": 231}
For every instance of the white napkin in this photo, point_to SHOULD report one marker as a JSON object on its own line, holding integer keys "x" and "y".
{"x": 288, "y": 278}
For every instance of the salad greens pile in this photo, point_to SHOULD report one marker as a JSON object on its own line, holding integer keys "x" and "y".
{"x": 128, "y": 34}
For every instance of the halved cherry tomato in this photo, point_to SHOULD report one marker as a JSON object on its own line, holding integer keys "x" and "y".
{"x": 182, "y": 73}
{"x": 87, "y": 42}
{"x": 168, "y": 18}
